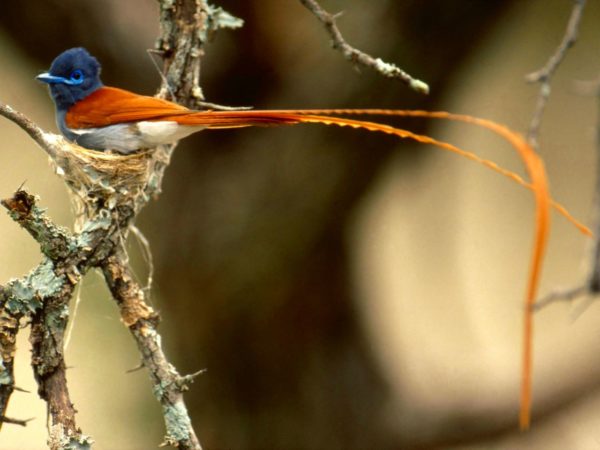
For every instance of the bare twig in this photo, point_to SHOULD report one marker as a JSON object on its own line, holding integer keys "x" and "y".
{"x": 186, "y": 380}
{"x": 358, "y": 57}
{"x": 137, "y": 368}
{"x": 217, "y": 107}
{"x": 561, "y": 295}
{"x": 591, "y": 286}
{"x": 49, "y": 142}
{"x": 544, "y": 75}
{"x": 20, "y": 422}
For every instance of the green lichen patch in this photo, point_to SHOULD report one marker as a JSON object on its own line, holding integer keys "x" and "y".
{"x": 25, "y": 295}
{"x": 177, "y": 423}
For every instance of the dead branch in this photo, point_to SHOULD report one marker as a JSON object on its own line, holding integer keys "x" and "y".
{"x": 545, "y": 74}
{"x": 591, "y": 286}
{"x": 356, "y": 56}
{"x": 20, "y": 422}
{"x": 43, "y": 296}
{"x": 142, "y": 320}
{"x": 9, "y": 327}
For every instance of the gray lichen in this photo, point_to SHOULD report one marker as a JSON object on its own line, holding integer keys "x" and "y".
{"x": 177, "y": 422}
{"x": 60, "y": 439}
{"x": 25, "y": 295}
{"x": 221, "y": 19}
{"x": 57, "y": 318}
{"x": 6, "y": 378}
{"x": 100, "y": 222}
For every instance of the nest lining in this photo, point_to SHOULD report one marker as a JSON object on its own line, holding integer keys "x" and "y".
{"x": 108, "y": 180}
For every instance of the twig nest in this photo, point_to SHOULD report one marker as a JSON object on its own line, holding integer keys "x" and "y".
{"x": 109, "y": 180}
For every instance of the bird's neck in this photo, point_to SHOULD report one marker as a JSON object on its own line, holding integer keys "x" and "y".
{"x": 66, "y": 96}
{"x": 62, "y": 124}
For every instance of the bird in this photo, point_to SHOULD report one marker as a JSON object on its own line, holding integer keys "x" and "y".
{"x": 104, "y": 118}
{"x": 99, "y": 117}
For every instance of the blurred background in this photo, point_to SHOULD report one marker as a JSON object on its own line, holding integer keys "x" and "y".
{"x": 344, "y": 290}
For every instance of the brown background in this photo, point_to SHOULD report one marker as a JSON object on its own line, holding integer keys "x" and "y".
{"x": 343, "y": 290}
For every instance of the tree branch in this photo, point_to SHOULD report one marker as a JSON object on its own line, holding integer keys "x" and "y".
{"x": 185, "y": 27}
{"x": 591, "y": 286}
{"x": 20, "y": 422}
{"x": 358, "y": 57}
{"x": 545, "y": 74}
{"x": 55, "y": 242}
{"x": 142, "y": 321}
{"x": 9, "y": 327}
{"x": 44, "y": 295}
{"x": 50, "y": 143}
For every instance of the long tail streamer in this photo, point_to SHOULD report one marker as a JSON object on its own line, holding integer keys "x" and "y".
{"x": 533, "y": 163}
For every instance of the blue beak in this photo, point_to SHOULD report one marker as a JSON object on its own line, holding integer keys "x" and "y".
{"x": 50, "y": 79}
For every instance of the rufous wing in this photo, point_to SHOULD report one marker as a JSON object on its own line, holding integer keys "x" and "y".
{"x": 109, "y": 106}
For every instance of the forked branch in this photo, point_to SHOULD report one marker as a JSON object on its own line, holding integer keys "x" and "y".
{"x": 545, "y": 74}
{"x": 356, "y": 56}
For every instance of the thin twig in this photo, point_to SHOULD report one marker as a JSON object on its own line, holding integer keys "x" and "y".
{"x": 20, "y": 422}
{"x": 47, "y": 141}
{"x": 591, "y": 286}
{"x": 139, "y": 367}
{"x": 19, "y": 389}
{"x": 358, "y": 57}
{"x": 561, "y": 295}
{"x": 217, "y": 107}
{"x": 186, "y": 380}
{"x": 545, "y": 74}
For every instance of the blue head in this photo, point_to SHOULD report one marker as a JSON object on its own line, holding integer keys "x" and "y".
{"x": 73, "y": 75}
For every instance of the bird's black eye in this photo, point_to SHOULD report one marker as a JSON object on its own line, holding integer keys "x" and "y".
{"x": 76, "y": 77}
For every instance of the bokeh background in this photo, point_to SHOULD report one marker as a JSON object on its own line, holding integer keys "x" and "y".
{"x": 344, "y": 290}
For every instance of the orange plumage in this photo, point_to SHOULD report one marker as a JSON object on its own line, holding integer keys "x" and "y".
{"x": 109, "y": 106}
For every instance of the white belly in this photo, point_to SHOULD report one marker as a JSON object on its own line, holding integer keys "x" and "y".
{"x": 130, "y": 137}
{"x": 157, "y": 133}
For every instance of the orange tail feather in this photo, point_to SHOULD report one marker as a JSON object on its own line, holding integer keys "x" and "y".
{"x": 533, "y": 163}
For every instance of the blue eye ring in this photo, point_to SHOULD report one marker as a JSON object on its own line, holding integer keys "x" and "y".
{"x": 75, "y": 78}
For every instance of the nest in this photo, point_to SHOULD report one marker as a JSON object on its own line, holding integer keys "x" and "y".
{"x": 109, "y": 181}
